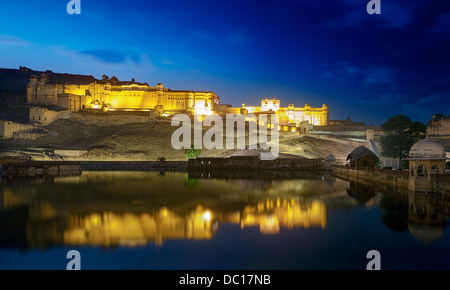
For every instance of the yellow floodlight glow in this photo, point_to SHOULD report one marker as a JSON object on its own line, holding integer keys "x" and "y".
{"x": 206, "y": 216}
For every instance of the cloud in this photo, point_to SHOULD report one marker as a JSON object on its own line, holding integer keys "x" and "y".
{"x": 239, "y": 37}
{"x": 342, "y": 71}
{"x": 429, "y": 99}
{"x": 167, "y": 62}
{"x": 352, "y": 19}
{"x": 106, "y": 61}
{"x": 379, "y": 76}
{"x": 426, "y": 107}
{"x": 11, "y": 40}
{"x": 106, "y": 55}
{"x": 202, "y": 35}
{"x": 387, "y": 99}
{"x": 113, "y": 56}
{"x": 394, "y": 14}
{"x": 442, "y": 25}
{"x": 345, "y": 72}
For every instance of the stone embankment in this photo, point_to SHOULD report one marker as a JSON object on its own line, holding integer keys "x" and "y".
{"x": 134, "y": 165}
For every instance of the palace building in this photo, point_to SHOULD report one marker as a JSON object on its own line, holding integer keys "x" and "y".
{"x": 291, "y": 115}
{"x": 60, "y": 94}
{"x": 84, "y": 92}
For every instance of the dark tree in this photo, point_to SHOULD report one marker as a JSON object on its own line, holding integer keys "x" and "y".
{"x": 400, "y": 134}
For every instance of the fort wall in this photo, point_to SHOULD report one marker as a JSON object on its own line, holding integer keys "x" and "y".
{"x": 110, "y": 119}
{"x": 8, "y": 128}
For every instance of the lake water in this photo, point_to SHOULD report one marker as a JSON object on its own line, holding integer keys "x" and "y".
{"x": 171, "y": 220}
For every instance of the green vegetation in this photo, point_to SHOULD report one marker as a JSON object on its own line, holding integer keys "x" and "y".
{"x": 400, "y": 134}
{"x": 192, "y": 153}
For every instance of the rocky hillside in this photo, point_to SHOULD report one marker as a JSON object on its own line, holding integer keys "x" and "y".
{"x": 147, "y": 141}
{"x": 135, "y": 141}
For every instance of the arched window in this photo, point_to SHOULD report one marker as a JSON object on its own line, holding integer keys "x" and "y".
{"x": 421, "y": 212}
{"x": 420, "y": 170}
{"x": 435, "y": 169}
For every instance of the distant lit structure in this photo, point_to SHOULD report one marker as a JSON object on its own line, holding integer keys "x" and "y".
{"x": 291, "y": 115}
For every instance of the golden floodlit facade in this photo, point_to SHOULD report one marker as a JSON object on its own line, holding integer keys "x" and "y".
{"x": 76, "y": 93}
{"x": 318, "y": 116}
{"x": 112, "y": 94}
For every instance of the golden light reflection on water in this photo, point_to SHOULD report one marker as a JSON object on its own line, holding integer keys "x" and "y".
{"x": 132, "y": 209}
{"x": 111, "y": 209}
{"x": 108, "y": 229}
{"x": 270, "y": 215}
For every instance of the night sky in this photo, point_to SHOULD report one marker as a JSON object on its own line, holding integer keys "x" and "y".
{"x": 369, "y": 67}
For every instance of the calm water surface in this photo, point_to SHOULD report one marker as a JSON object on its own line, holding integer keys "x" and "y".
{"x": 153, "y": 220}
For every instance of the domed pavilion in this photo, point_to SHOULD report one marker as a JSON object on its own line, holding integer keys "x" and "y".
{"x": 426, "y": 157}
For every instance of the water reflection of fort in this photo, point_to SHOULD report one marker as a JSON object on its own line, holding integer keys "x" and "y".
{"x": 270, "y": 215}
{"x": 110, "y": 229}
{"x": 132, "y": 209}
{"x": 65, "y": 212}
{"x": 45, "y": 226}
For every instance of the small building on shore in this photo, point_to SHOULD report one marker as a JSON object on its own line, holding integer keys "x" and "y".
{"x": 362, "y": 157}
{"x": 426, "y": 157}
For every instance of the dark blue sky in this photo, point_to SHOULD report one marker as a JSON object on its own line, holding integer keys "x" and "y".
{"x": 369, "y": 67}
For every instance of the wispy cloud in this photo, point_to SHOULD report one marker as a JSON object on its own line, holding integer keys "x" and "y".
{"x": 387, "y": 99}
{"x": 11, "y": 40}
{"x": 114, "y": 56}
{"x": 106, "y": 55}
{"x": 343, "y": 71}
{"x": 107, "y": 61}
{"x": 426, "y": 107}
{"x": 429, "y": 99}
{"x": 167, "y": 61}
{"x": 380, "y": 75}
{"x": 394, "y": 14}
{"x": 198, "y": 34}
{"x": 239, "y": 37}
{"x": 346, "y": 72}
{"x": 442, "y": 24}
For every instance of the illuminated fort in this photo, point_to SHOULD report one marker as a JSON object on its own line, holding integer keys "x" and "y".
{"x": 111, "y": 94}
{"x": 51, "y": 93}
{"x": 291, "y": 114}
